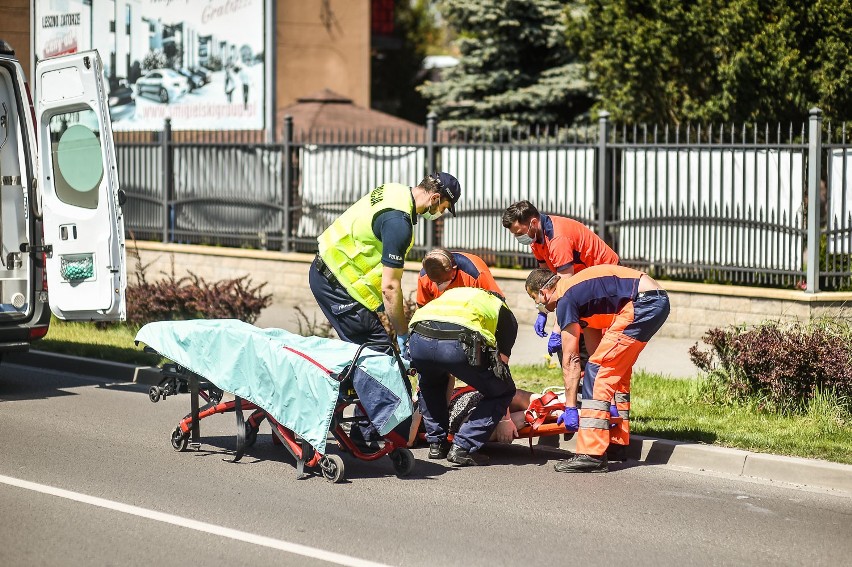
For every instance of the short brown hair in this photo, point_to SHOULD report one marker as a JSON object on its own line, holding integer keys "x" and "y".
{"x": 537, "y": 279}
{"x": 522, "y": 212}
{"x": 438, "y": 263}
{"x": 430, "y": 184}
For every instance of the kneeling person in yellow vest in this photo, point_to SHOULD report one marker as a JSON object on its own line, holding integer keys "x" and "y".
{"x": 468, "y": 333}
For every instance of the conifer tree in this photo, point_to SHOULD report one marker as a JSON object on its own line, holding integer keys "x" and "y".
{"x": 515, "y": 68}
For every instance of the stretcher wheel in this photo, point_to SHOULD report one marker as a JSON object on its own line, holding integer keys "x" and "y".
{"x": 154, "y": 394}
{"x": 251, "y": 435}
{"x": 332, "y": 468}
{"x": 403, "y": 461}
{"x": 179, "y": 439}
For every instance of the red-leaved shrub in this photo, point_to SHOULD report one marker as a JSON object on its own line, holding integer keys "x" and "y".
{"x": 192, "y": 297}
{"x": 784, "y": 364}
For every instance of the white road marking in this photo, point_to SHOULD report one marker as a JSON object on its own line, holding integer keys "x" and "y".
{"x": 289, "y": 547}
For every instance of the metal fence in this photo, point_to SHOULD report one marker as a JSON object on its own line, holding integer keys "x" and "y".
{"x": 724, "y": 204}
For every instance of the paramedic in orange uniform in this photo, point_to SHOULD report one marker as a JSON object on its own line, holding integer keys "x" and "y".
{"x": 443, "y": 270}
{"x": 626, "y": 308}
{"x": 562, "y": 245}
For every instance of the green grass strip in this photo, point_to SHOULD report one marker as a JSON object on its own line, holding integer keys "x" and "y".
{"x": 670, "y": 408}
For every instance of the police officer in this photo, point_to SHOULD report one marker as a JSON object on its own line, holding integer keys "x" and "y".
{"x": 468, "y": 333}
{"x": 626, "y": 307}
{"x": 358, "y": 270}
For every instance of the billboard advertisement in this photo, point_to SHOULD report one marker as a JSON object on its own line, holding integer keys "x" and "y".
{"x": 201, "y": 63}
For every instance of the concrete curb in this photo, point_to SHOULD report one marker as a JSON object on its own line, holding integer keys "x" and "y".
{"x": 793, "y": 470}
{"x": 108, "y": 370}
{"x": 649, "y": 450}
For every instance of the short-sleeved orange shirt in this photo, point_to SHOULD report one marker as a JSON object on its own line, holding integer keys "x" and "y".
{"x": 472, "y": 272}
{"x": 570, "y": 243}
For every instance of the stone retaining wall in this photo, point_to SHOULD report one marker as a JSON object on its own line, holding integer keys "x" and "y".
{"x": 695, "y": 307}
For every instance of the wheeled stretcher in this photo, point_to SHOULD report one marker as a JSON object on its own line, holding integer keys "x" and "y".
{"x": 278, "y": 377}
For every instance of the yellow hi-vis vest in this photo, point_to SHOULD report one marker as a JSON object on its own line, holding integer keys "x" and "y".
{"x": 470, "y": 307}
{"x": 351, "y": 250}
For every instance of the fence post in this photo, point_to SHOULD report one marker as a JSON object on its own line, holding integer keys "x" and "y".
{"x": 288, "y": 180}
{"x": 165, "y": 141}
{"x": 603, "y": 171}
{"x": 431, "y": 167}
{"x": 814, "y": 174}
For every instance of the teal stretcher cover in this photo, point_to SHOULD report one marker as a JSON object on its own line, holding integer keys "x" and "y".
{"x": 290, "y": 376}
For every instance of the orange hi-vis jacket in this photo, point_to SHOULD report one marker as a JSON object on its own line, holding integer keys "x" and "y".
{"x": 569, "y": 243}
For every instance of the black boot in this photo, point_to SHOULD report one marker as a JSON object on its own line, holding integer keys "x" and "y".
{"x": 583, "y": 464}
{"x": 463, "y": 458}
{"x": 616, "y": 453}
{"x": 439, "y": 450}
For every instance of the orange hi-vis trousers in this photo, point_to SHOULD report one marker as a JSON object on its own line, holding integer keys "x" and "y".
{"x": 608, "y": 372}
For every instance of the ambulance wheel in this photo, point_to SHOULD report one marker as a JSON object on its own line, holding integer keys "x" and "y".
{"x": 154, "y": 394}
{"x": 179, "y": 439}
{"x": 403, "y": 461}
{"x": 332, "y": 468}
{"x": 251, "y": 435}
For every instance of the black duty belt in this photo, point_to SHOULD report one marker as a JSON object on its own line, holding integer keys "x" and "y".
{"x": 652, "y": 293}
{"x": 440, "y": 334}
{"x": 326, "y": 273}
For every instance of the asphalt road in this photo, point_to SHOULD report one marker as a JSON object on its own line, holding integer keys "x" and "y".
{"x": 88, "y": 477}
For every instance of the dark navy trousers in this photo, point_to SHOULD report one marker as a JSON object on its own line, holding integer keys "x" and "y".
{"x": 435, "y": 360}
{"x": 354, "y": 323}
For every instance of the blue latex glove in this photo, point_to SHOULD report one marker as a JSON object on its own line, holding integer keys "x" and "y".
{"x": 540, "y": 323}
{"x": 554, "y": 343}
{"x": 613, "y": 416}
{"x": 570, "y": 419}
{"x": 402, "y": 343}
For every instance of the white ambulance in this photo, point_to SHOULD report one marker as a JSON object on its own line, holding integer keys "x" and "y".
{"x": 61, "y": 226}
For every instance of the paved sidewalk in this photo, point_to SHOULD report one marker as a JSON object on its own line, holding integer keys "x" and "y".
{"x": 795, "y": 471}
{"x": 663, "y": 355}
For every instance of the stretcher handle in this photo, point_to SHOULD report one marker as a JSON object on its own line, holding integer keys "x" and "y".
{"x": 384, "y": 344}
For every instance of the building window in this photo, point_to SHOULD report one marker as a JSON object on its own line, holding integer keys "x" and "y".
{"x": 112, "y": 26}
{"x": 127, "y": 18}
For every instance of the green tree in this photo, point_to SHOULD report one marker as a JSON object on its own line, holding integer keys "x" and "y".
{"x": 514, "y": 69}
{"x": 716, "y": 60}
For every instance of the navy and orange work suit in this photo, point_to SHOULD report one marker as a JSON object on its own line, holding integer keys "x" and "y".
{"x": 607, "y": 298}
{"x": 569, "y": 243}
{"x": 472, "y": 272}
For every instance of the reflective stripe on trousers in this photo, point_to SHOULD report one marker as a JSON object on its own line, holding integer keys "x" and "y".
{"x": 607, "y": 379}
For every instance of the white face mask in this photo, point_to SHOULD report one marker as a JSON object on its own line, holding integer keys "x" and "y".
{"x": 428, "y": 215}
{"x": 444, "y": 285}
{"x": 524, "y": 239}
{"x": 542, "y": 306}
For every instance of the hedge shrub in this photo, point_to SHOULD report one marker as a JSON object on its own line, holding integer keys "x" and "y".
{"x": 192, "y": 297}
{"x": 782, "y": 365}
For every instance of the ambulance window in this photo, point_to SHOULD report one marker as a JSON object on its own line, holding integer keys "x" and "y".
{"x": 76, "y": 156}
